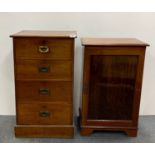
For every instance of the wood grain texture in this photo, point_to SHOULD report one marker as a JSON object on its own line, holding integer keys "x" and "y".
{"x": 44, "y": 69}
{"x": 44, "y": 131}
{"x": 112, "y": 42}
{"x": 30, "y": 113}
{"x": 28, "y": 48}
{"x": 112, "y": 82}
{"x": 44, "y": 91}
{"x": 50, "y": 34}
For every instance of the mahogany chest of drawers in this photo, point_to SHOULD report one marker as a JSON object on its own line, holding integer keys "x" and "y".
{"x": 43, "y": 64}
{"x": 112, "y": 81}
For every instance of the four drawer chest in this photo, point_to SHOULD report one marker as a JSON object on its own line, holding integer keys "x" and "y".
{"x": 43, "y": 65}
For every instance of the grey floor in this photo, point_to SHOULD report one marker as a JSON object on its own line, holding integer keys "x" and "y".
{"x": 146, "y": 134}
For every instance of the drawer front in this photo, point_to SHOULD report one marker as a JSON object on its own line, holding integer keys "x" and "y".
{"x": 47, "y": 48}
{"x": 44, "y": 114}
{"x": 43, "y": 69}
{"x": 44, "y": 91}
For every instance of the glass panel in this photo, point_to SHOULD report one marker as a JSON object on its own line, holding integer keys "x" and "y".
{"x": 112, "y": 82}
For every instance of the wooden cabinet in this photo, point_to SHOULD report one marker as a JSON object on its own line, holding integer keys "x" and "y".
{"x": 112, "y": 81}
{"x": 44, "y": 63}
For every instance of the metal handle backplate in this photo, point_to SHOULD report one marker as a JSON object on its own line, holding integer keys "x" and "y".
{"x": 44, "y": 113}
{"x": 44, "y": 91}
{"x": 43, "y": 69}
{"x": 43, "y": 49}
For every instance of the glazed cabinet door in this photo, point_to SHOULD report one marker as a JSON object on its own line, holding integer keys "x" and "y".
{"x": 112, "y": 83}
{"x": 110, "y": 87}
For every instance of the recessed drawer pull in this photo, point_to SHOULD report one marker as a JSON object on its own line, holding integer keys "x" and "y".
{"x": 43, "y": 49}
{"x": 44, "y": 91}
{"x": 44, "y": 114}
{"x": 44, "y": 69}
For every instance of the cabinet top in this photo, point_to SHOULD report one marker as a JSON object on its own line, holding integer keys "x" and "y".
{"x": 51, "y": 34}
{"x": 112, "y": 42}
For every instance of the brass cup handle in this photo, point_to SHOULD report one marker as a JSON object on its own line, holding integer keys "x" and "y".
{"x": 43, "y": 49}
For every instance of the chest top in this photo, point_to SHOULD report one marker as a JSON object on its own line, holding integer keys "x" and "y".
{"x": 50, "y": 34}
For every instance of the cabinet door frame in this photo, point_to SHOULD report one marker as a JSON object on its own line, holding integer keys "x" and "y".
{"x": 138, "y": 51}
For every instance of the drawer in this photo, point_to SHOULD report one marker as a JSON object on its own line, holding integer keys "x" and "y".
{"x": 43, "y": 114}
{"x": 43, "y": 69}
{"x": 53, "y": 48}
{"x": 44, "y": 91}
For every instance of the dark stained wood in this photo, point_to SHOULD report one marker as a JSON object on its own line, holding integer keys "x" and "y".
{"x": 112, "y": 42}
{"x": 112, "y": 81}
{"x": 131, "y": 133}
{"x": 58, "y": 48}
{"x": 87, "y": 131}
{"x": 44, "y": 131}
{"x": 44, "y": 67}
{"x": 50, "y": 34}
{"x": 112, "y": 84}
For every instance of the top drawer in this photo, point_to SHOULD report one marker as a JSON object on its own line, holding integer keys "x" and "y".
{"x": 43, "y": 48}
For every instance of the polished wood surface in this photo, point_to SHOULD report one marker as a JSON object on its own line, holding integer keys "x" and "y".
{"x": 112, "y": 42}
{"x": 112, "y": 82}
{"x": 44, "y": 69}
{"x": 32, "y": 113}
{"x": 50, "y": 34}
{"x": 87, "y": 131}
{"x": 44, "y": 91}
{"x": 28, "y": 48}
{"x": 112, "y": 85}
{"x": 44, "y": 131}
{"x": 44, "y": 63}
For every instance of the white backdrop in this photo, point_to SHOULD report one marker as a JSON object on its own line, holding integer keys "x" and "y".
{"x": 138, "y": 25}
